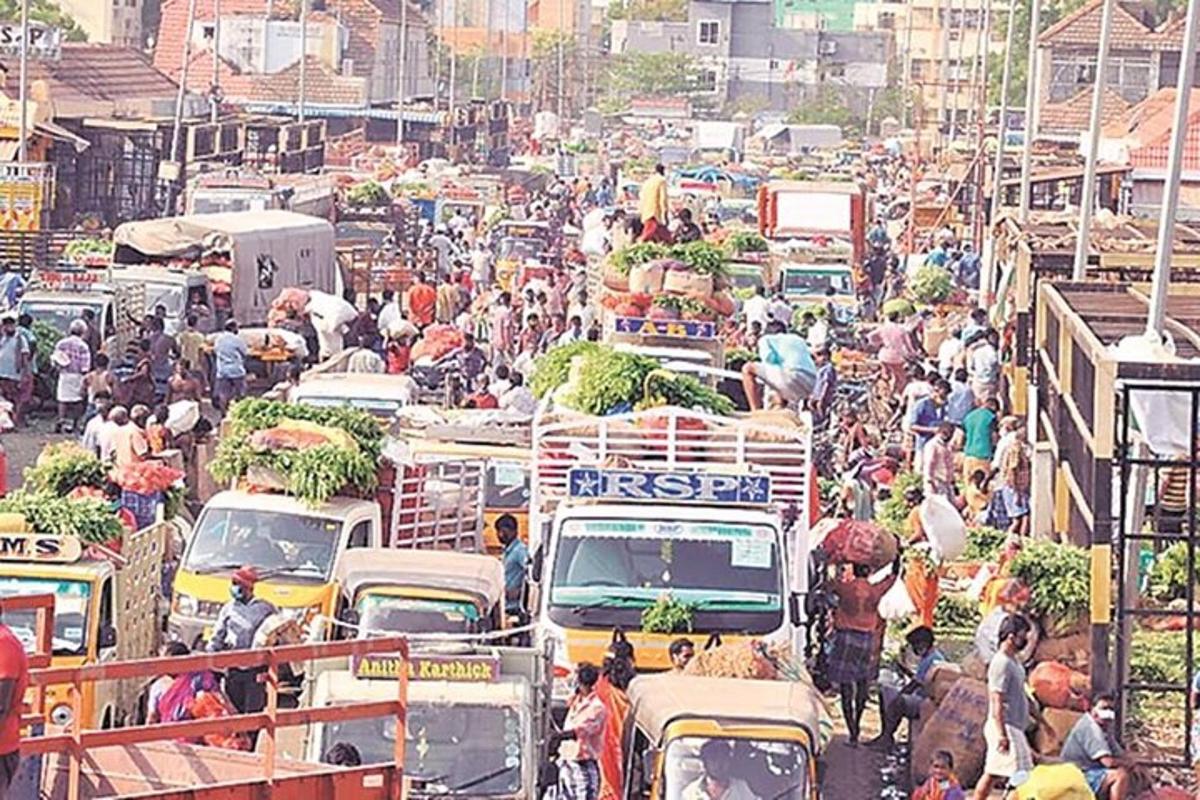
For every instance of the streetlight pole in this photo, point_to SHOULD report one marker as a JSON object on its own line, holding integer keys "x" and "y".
{"x": 1031, "y": 126}
{"x": 23, "y": 143}
{"x": 1170, "y": 205}
{"x": 401, "y": 73}
{"x": 303, "y": 60}
{"x": 987, "y": 270}
{"x": 1088, "y": 198}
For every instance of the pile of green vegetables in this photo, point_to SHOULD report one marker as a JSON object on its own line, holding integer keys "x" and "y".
{"x": 64, "y": 467}
{"x": 984, "y": 544}
{"x": 892, "y": 513}
{"x": 89, "y": 518}
{"x": 1057, "y": 576}
{"x": 899, "y": 305}
{"x": 313, "y": 474}
{"x": 668, "y": 615}
{"x": 956, "y": 611}
{"x": 1168, "y": 574}
{"x": 369, "y": 194}
{"x": 740, "y": 242}
{"x": 627, "y": 258}
{"x": 700, "y": 257}
{"x": 931, "y": 284}
{"x": 612, "y": 381}
{"x": 45, "y": 338}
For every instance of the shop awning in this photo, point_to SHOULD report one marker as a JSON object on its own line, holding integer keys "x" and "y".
{"x": 61, "y": 134}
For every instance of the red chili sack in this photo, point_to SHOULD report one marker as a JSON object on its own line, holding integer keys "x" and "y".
{"x": 1058, "y": 686}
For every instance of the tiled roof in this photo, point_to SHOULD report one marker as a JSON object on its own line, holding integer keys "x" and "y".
{"x": 1074, "y": 114}
{"x": 1082, "y": 28}
{"x": 1149, "y": 120}
{"x": 96, "y": 73}
{"x": 322, "y": 86}
{"x": 361, "y": 19}
{"x": 1149, "y": 136}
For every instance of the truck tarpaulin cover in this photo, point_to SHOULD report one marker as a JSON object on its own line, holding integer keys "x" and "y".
{"x": 271, "y": 251}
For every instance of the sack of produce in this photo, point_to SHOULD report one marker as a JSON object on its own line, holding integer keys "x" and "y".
{"x": 614, "y": 279}
{"x": 944, "y": 527}
{"x": 329, "y": 312}
{"x": 896, "y": 603}
{"x": 741, "y": 660}
{"x": 288, "y": 300}
{"x": 1053, "y": 728}
{"x": 437, "y": 341}
{"x": 956, "y": 726}
{"x": 143, "y": 507}
{"x": 860, "y": 542}
{"x": 1058, "y": 686}
{"x": 941, "y": 679}
{"x": 689, "y": 284}
{"x": 647, "y": 278}
{"x": 722, "y": 304}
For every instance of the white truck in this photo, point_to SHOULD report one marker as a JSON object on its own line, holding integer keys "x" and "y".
{"x": 629, "y": 509}
{"x": 59, "y": 296}
{"x": 234, "y": 190}
{"x": 247, "y": 258}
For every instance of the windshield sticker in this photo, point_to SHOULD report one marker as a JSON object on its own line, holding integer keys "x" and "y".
{"x": 749, "y": 553}
{"x": 508, "y": 474}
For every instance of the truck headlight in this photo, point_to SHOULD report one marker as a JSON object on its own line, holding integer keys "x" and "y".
{"x": 62, "y": 715}
{"x": 186, "y": 604}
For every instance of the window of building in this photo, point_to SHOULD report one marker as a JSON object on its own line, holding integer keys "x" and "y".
{"x": 709, "y": 31}
{"x": 886, "y": 21}
{"x": 707, "y": 80}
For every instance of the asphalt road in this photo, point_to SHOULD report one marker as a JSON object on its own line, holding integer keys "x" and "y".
{"x": 21, "y": 447}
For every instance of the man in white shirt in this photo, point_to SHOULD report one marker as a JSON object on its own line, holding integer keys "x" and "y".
{"x": 481, "y": 266}
{"x": 757, "y": 309}
{"x": 500, "y": 383}
{"x": 97, "y": 429}
{"x": 518, "y": 398}
{"x": 818, "y": 331}
{"x": 579, "y": 308}
{"x": 390, "y": 314}
{"x": 983, "y": 365}
{"x": 949, "y": 353}
{"x": 780, "y": 310}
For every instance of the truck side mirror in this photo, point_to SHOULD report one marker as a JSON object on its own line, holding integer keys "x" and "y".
{"x": 794, "y": 609}
{"x": 648, "y": 758}
{"x": 535, "y": 566}
{"x": 108, "y": 637}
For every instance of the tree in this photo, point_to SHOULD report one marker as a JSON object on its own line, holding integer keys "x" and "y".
{"x": 649, "y": 10}
{"x": 46, "y": 12}
{"x": 826, "y": 108}
{"x": 650, "y": 74}
{"x": 543, "y": 66}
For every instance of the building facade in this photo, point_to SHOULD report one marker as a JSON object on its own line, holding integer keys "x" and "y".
{"x": 116, "y": 22}
{"x": 746, "y": 59}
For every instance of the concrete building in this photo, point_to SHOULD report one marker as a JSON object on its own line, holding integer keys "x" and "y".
{"x": 939, "y": 43}
{"x": 745, "y": 57}
{"x": 116, "y": 22}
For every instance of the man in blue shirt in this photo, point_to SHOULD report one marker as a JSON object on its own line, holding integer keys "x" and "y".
{"x": 785, "y": 364}
{"x": 962, "y": 400}
{"x": 927, "y": 414}
{"x": 516, "y": 554}
{"x": 229, "y": 358}
{"x": 826, "y": 385}
{"x": 905, "y": 702}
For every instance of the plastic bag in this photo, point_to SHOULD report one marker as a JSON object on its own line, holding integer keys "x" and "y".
{"x": 944, "y": 527}
{"x": 1053, "y": 782}
{"x": 896, "y": 603}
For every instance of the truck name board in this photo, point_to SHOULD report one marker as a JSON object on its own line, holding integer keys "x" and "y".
{"x": 676, "y": 487}
{"x": 678, "y": 328}
{"x": 457, "y": 669}
{"x": 39, "y": 547}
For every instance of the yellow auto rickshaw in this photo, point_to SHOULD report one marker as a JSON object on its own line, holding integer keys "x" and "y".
{"x": 386, "y": 590}
{"x": 749, "y": 738}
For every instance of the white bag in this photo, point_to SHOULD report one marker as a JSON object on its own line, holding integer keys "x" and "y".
{"x": 896, "y": 603}
{"x": 944, "y": 527}
{"x": 329, "y": 312}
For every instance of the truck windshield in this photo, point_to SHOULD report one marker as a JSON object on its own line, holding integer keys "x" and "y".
{"x": 276, "y": 543}
{"x": 451, "y": 749}
{"x": 59, "y": 315}
{"x": 221, "y": 202}
{"x": 71, "y": 600}
{"x": 375, "y": 406}
{"x": 748, "y": 768}
{"x": 520, "y": 249}
{"x": 168, "y": 295}
{"x": 384, "y": 613}
{"x": 816, "y": 283}
{"x": 724, "y": 569}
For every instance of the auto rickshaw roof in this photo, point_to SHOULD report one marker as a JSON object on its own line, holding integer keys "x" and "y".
{"x": 658, "y": 700}
{"x": 472, "y": 573}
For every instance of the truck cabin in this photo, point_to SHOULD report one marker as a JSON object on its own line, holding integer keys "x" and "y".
{"x": 381, "y": 396}
{"x": 813, "y": 283}
{"x": 60, "y": 309}
{"x": 762, "y": 734}
{"x": 464, "y": 738}
{"x": 420, "y": 591}
{"x": 294, "y": 548}
{"x": 179, "y": 292}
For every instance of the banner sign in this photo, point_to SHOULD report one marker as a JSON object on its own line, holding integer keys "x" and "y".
{"x": 39, "y": 547}
{"x": 457, "y": 669}
{"x": 673, "y": 487}
{"x": 678, "y": 328}
{"x": 45, "y": 41}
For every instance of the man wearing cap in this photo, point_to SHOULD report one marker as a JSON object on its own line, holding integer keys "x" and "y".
{"x": 236, "y": 625}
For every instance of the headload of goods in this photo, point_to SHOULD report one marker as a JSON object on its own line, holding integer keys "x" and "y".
{"x": 307, "y": 452}
{"x": 668, "y": 282}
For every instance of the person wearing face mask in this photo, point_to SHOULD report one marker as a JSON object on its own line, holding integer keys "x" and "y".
{"x": 1092, "y": 747}
{"x": 1008, "y": 751}
{"x": 899, "y": 704}
{"x": 239, "y": 620}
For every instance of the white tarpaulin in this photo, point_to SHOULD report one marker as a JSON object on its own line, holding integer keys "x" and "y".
{"x": 1162, "y": 417}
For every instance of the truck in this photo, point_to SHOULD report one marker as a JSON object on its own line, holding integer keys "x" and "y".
{"x": 477, "y": 719}
{"x": 234, "y": 190}
{"x": 59, "y": 296}
{"x": 246, "y": 257}
{"x": 667, "y": 505}
{"x": 835, "y": 211}
{"x": 105, "y": 609}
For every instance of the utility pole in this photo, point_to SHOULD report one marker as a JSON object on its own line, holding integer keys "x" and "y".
{"x": 216, "y": 57}
{"x": 987, "y": 271}
{"x": 23, "y": 144}
{"x": 943, "y": 19}
{"x": 562, "y": 77}
{"x": 906, "y": 80}
{"x": 452, "y": 48}
{"x": 1170, "y": 204}
{"x": 1031, "y": 92}
{"x": 958, "y": 59}
{"x": 1088, "y": 200}
{"x": 303, "y": 60}
{"x": 977, "y": 119}
{"x": 978, "y": 67}
{"x": 179, "y": 98}
{"x": 504, "y": 50}
{"x": 401, "y": 73}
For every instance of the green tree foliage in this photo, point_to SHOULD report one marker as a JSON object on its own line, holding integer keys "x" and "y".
{"x": 649, "y": 10}
{"x": 827, "y": 108}
{"x": 650, "y": 74}
{"x": 46, "y": 12}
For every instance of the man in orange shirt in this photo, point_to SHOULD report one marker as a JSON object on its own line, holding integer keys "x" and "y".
{"x": 14, "y": 678}
{"x": 854, "y": 656}
{"x": 421, "y": 301}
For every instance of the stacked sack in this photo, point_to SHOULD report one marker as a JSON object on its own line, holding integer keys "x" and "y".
{"x": 679, "y": 282}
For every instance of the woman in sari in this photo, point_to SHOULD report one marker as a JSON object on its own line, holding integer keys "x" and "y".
{"x": 616, "y": 674}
